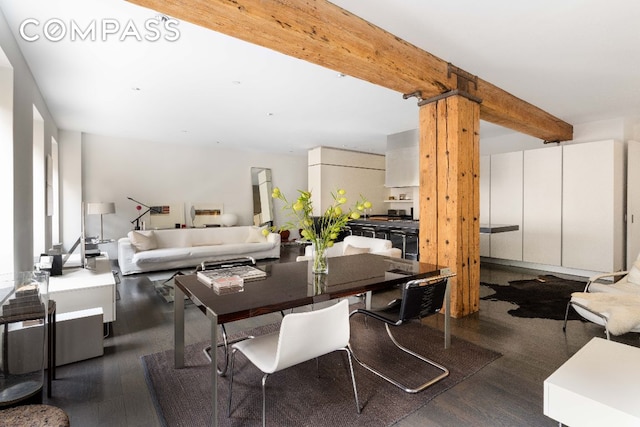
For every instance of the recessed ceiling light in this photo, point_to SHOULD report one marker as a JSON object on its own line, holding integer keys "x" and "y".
{"x": 341, "y": 75}
{"x": 135, "y": 89}
{"x": 270, "y": 114}
{"x": 236, "y": 82}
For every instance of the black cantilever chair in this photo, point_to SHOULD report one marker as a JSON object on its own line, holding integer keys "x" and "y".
{"x": 420, "y": 298}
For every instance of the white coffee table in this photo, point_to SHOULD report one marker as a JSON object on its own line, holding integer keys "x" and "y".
{"x": 599, "y": 385}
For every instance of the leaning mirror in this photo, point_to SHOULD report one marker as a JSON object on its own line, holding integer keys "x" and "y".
{"x": 262, "y": 203}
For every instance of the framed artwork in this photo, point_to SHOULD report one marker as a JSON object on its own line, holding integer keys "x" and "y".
{"x": 206, "y": 214}
{"x": 166, "y": 215}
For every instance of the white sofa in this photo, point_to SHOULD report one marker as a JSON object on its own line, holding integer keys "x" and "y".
{"x": 352, "y": 245}
{"x": 153, "y": 250}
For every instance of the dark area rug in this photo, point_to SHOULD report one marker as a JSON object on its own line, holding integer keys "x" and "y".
{"x": 305, "y": 396}
{"x": 545, "y": 297}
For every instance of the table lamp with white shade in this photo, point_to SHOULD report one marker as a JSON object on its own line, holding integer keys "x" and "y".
{"x": 100, "y": 208}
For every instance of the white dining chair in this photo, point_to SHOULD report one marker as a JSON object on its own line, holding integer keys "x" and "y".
{"x": 302, "y": 337}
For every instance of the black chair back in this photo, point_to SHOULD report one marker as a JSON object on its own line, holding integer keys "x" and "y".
{"x": 420, "y": 298}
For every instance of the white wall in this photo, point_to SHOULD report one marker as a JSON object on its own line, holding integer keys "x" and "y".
{"x": 6, "y": 163}
{"x": 26, "y": 95}
{"x": 154, "y": 173}
{"x": 619, "y": 129}
{"x": 70, "y": 145}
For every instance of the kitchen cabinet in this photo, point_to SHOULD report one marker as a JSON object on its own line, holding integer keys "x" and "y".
{"x": 633, "y": 202}
{"x": 506, "y": 204}
{"x": 485, "y": 203}
{"x": 592, "y": 206}
{"x": 542, "y": 206}
{"x": 402, "y": 160}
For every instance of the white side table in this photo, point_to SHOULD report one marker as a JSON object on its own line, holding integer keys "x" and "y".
{"x": 81, "y": 289}
{"x": 599, "y": 385}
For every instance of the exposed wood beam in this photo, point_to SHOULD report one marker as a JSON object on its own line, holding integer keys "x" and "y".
{"x": 325, "y": 34}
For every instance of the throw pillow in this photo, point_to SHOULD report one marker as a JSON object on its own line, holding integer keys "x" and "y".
{"x": 143, "y": 242}
{"x": 354, "y": 250}
{"x": 634, "y": 273}
{"x": 255, "y": 236}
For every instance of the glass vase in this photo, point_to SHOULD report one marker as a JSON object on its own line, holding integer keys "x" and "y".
{"x": 320, "y": 263}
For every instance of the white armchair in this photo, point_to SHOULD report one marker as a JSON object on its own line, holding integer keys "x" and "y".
{"x": 628, "y": 284}
{"x": 352, "y": 245}
{"x": 615, "y": 305}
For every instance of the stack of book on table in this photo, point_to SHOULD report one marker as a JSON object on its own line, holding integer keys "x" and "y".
{"x": 231, "y": 279}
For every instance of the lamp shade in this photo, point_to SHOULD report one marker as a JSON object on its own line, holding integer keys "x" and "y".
{"x": 101, "y": 208}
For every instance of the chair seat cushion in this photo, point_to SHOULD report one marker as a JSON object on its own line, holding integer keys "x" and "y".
{"x": 622, "y": 311}
{"x": 389, "y": 314}
{"x": 261, "y": 351}
{"x": 354, "y": 250}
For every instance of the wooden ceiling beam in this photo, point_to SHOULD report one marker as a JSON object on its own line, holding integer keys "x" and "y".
{"x": 325, "y": 34}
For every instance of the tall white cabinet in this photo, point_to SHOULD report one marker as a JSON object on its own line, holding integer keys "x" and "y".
{"x": 569, "y": 202}
{"x": 485, "y": 204}
{"x": 542, "y": 206}
{"x": 633, "y": 202}
{"x": 506, "y": 204}
{"x": 592, "y": 206}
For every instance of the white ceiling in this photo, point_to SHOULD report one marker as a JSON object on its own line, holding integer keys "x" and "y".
{"x": 576, "y": 59}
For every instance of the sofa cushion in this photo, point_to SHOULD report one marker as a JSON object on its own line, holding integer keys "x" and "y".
{"x": 143, "y": 242}
{"x": 255, "y": 235}
{"x": 230, "y": 249}
{"x": 374, "y": 245}
{"x": 162, "y": 255}
{"x": 354, "y": 250}
{"x": 173, "y": 238}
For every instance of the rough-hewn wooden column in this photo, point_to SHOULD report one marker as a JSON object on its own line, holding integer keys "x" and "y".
{"x": 449, "y": 195}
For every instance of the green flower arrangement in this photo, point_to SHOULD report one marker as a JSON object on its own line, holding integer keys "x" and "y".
{"x": 323, "y": 232}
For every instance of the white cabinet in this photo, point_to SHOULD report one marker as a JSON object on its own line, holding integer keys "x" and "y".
{"x": 592, "y": 206}
{"x": 506, "y": 204}
{"x": 82, "y": 288}
{"x": 542, "y": 206}
{"x": 402, "y": 161}
{"x": 633, "y": 202}
{"x": 485, "y": 204}
{"x": 357, "y": 173}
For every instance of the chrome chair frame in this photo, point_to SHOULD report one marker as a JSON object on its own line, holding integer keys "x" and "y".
{"x": 406, "y": 311}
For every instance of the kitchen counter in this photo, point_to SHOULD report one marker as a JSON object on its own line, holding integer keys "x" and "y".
{"x": 390, "y": 222}
{"x": 386, "y": 222}
{"x": 497, "y": 228}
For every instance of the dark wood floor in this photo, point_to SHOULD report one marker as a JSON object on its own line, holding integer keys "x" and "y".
{"x": 111, "y": 390}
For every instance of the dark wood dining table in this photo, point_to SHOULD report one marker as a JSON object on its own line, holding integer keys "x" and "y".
{"x": 291, "y": 285}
